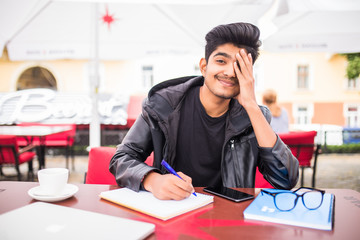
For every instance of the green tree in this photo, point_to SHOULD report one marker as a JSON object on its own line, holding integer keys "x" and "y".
{"x": 353, "y": 68}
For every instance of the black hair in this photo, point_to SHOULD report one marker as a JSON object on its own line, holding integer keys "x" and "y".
{"x": 242, "y": 35}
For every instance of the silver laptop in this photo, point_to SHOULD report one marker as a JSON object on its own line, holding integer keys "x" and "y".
{"x": 49, "y": 221}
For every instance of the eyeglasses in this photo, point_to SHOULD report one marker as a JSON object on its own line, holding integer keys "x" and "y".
{"x": 286, "y": 200}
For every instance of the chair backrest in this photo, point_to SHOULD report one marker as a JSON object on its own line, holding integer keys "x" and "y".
{"x": 63, "y": 138}
{"x": 69, "y": 133}
{"x": 8, "y": 149}
{"x": 58, "y": 139}
{"x": 301, "y": 145}
{"x": 98, "y": 166}
{"x": 134, "y": 108}
{"x": 260, "y": 181}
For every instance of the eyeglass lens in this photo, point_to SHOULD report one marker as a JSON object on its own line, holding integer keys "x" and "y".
{"x": 312, "y": 199}
{"x": 286, "y": 201}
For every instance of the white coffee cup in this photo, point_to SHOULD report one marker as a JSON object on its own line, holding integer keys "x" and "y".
{"x": 53, "y": 180}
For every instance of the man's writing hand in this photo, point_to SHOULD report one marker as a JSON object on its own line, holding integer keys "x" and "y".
{"x": 168, "y": 186}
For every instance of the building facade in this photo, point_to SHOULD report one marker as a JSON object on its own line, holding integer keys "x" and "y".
{"x": 312, "y": 86}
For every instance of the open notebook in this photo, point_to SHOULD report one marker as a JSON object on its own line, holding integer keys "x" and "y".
{"x": 43, "y": 221}
{"x": 145, "y": 202}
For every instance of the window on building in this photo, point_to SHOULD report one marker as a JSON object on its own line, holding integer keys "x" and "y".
{"x": 148, "y": 76}
{"x": 36, "y": 77}
{"x": 352, "y": 115}
{"x": 303, "y": 113}
{"x": 302, "y": 117}
{"x": 303, "y": 77}
{"x": 353, "y": 84}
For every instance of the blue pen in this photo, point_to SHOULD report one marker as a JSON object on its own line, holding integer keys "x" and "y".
{"x": 172, "y": 171}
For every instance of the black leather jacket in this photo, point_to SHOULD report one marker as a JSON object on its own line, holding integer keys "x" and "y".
{"x": 156, "y": 130}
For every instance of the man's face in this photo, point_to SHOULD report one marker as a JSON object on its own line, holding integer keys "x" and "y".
{"x": 219, "y": 73}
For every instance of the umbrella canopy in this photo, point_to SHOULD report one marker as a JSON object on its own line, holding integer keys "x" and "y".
{"x": 114, "y": 30}
{"x": 45, "y": 29}
{"x": 314, "y": 26}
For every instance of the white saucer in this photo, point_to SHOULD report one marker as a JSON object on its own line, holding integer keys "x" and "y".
{"x": 68, "y": 192}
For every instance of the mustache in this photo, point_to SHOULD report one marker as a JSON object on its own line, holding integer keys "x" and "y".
{"x": 226, "y": 78}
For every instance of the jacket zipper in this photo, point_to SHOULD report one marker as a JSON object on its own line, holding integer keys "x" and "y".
{"x": 232, "y": 144}
{"x": 234, "y": 155}
{"x": 232, "y": 147}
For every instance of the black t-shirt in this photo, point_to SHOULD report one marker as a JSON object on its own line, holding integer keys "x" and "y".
{"x": 200, "y": 141}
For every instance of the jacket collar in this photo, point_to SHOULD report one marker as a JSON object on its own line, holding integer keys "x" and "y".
{"x": 166, "y": 96}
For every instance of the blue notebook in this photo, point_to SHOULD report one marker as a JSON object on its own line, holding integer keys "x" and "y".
{"x": 263, "y": 209}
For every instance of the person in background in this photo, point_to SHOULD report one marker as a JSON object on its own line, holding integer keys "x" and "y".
{"x": 279, "y": 121}
{"x": 209, "y": 128}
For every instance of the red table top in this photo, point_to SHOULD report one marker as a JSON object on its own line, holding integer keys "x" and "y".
{"x": 221, "y": 220}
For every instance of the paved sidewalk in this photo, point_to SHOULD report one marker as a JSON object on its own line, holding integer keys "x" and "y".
{"x": 336, "y": 171}
{"x": 333, "y": 170}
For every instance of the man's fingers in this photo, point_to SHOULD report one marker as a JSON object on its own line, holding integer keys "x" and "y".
{"x": 246, "y": 57}
{"x": 184, "y": 184}
{"x": 237, "y": 70}
{"x": 244, "y": 62}
{"x": 172, "y": 193}
{"x": 167, "y": 186}
{"x": 188, "y": 187}
{"x": 250, "y": 59}
{"x": 176, "y": 188}
{"x": 240, "y": 68}
{"x": 186, "y": 178}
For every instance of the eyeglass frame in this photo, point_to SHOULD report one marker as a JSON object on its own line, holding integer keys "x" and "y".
{"x": 273, "y": 194}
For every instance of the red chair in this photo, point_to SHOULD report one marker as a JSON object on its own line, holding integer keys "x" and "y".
{"x": 134, "y": 108}
{"x": 260, "y": 181}
{"x": 64, "y": 139}
{"x": 98, "y": 166}
{"x": 11, "y": 155}
{"x": 303, "y": 147}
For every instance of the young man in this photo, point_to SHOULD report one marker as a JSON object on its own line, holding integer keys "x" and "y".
{"x": 209, "y": 128}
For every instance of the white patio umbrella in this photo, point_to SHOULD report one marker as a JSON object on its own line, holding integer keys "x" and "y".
{"x": 314, "y": 26}
{"x": 58, "y": 29}
{"x": 122, "y": 29}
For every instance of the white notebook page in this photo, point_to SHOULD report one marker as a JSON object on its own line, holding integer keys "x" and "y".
{"x": 145, "y": 202}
